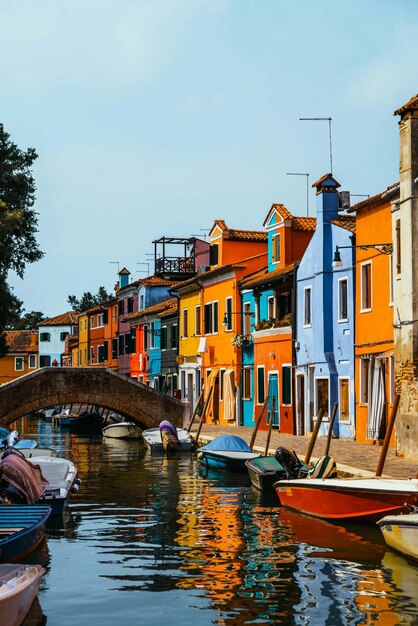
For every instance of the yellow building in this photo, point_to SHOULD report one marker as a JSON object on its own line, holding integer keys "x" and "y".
{"x": 83, "y": 341}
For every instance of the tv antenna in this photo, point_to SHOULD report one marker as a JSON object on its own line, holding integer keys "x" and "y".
{"x": 322, "y": 119}
{"x": 307, "y": 187}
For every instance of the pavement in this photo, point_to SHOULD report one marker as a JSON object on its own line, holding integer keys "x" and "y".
{"x": 352, "y": 458}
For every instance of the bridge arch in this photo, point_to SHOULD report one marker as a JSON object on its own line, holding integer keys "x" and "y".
{"x": 60, "y": 385}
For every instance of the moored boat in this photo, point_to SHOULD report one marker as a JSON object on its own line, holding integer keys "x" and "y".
{"x": 153, "y": 440}
{"x": 400, "y": 532}
{"x": 353, "y": 499}
{"x": 19, "y": 586}
{"x": 22, "y": 528}
{"x": 264, "y": 471}
{"x": 61, "y": 475}
{"x": 122, "y": 430}
{"x": 226, "y": 452}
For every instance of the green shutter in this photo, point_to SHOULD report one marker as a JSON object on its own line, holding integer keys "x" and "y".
{"x": 286, "y": 385}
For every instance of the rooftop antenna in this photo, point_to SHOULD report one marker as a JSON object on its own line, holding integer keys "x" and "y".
{"x": 307, "y": 187}
{"x": 322, "y": 119}
{"x": 360, "y": 195}
{"x": 204, "y": 230}
{"x": 142, "y": 271}
{"x": 115, "y": 263}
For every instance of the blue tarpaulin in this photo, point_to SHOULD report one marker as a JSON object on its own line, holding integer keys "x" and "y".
{"x": 227, "y": 442}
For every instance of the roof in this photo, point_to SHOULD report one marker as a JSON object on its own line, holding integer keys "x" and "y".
{"x": 346, "y": 221}
{"x": 373, "y": 200}
{"x": 411, "y": 105}
{"x": 71, "y": 317}
{"x": 297, "y": 222}
{"x": 157, "y": 281}
{"x": 324, "y": 178}
{"x": 153, "y": 310}
{"x": 21, "y": 341}
{"x": 171, "y": 309}
{"x": 263, "y": 277}
{"x": 239, "y": 234}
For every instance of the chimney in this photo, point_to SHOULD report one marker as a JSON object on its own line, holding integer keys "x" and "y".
{"x": 123, "y": 278}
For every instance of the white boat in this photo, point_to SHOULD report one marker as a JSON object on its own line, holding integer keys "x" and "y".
{"x": 30, "y": 453}
{"x": 19, "y": 586}
{"x": 122, "y": 430}
{"x": 226, "y": 452}
{"x": 152, "y": 438}
{"x": 401, "y": 533}
{"x": 61, "y": 475}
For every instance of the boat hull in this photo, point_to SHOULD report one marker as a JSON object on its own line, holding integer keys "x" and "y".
{"x": 61, "y": 475}
{"x": 225, "y": 459}
{"x": 29, "y": 524}
{"x": 152, "y": 438}
{"x": 357, "y": 499}
{"x": 264, "y": 472}
{"x": 123, "y": 430}
{"x": 400, "y": 532}
{"x": 19, "y": 586}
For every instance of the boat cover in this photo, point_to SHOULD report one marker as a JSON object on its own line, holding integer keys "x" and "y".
{"x": 227, "y": 442}
{"x": 23, "y": 475}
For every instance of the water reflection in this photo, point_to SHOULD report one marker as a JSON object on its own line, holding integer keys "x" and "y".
{"x": 149, "y": 539}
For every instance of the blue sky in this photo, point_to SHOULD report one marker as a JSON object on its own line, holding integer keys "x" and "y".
{"x": 154, "y": 118}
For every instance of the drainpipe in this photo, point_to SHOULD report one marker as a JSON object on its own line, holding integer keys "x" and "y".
{"x": 294, "y": 340}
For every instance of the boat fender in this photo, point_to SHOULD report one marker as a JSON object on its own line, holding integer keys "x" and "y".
{"x": 168, "y": 426}
{"x": 78, "y": 481}
{"x": 75, "y": 488}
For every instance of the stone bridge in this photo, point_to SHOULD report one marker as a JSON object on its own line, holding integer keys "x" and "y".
{"x": 60, "y": 385}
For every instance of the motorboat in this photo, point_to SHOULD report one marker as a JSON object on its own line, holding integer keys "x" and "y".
{"x": 122, "y": 430}
{"x": 19, "y": 586}
{"x": 264, "y": 471}
{"x": 33, "y": 453}
{"x": 351, "y": 499}
{"x": 153, "y": 440}
{"x": 86, "y": 421}
{"x": 12, "y": 438}
{"x": 400, "y": 532}
{"x": 226, "y": 452}
{"x": 22, "y": 528}
{"x": 61, "y": 475}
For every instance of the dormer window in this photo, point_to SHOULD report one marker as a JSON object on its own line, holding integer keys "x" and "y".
{"x": 276, "y": 248}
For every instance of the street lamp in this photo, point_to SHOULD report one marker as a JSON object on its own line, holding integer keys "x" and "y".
{"x": 382, "y": 248}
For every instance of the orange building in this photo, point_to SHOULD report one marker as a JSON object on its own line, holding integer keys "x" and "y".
{"x": 97, "y": 347}
{"x": 374, "y": 334}
{"x": 22, "y": 355}
{"x": 111, "y": 327}
{"x": 234, "y": 254}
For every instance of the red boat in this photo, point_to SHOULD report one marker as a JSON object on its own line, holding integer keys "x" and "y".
{"x": 354, "y": 499}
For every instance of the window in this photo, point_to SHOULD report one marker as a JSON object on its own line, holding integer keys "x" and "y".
{"x": 146, "y": 330}
{"x": 271, "y": 308}
{"x": 286, "y": 384}
{"x": 284, "y": 304}
{"x": 92, "y": 354}
{"x": 343, "y": 300}
{"x": 247, "y": 318}
{"x": 114, "y": 348}
{"x": 115, "y": 312}
{"x": 44, "y": 337}
{"x": 208, "y": 318}
{"x": 215, "y": 324}
{"x": 92, "y": 321}
{"x": 80, "y": 357}
{"x": 197, "y": 325}
{"x": 85, "y": 356}
{"x": 322, "y": 395}
{"x": 130, "y": 302}
{"x": 261, "y": 391}
{"x": 173, "y": 336}
{"x": 307, "y": 317}
{"x": 214, "y": 254}
{"x": 100, "y": 354}
{"x": 364, "y": 380}
{"x": 32, "y": 361}
{"x": 121, "y": 307}
{"x": 398, "y": 246}
{"x": 228, "y": 313}
{"x": 246, "y": 383}
{"x": 19, "y": 363}
{"x": 44, "y": 360}
{"x": 366, "y": 286}
{"x": 276, "y": 248}
{"x": 141, "y": 301}
{"x": 185, "y": 323}
{"x": 121, "y": 345}
{"x": 63, "y": 336}
{"x": 163, "y": 343}
{"x": 344, "y": 399}
{"x": 105, "y": 316}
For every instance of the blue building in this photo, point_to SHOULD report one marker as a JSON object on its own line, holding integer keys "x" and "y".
{"x": 52, "y": 334}
{"x": 325, "y": 319}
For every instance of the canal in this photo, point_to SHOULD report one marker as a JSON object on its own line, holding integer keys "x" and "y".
{"x": 149, "y": 541}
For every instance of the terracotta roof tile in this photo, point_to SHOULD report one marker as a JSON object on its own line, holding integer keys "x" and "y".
{"x": 324, "y": 177}
{"x": 171, "y": 309}
{"x": 245, "y": 235}
{"x": 376, "y": 199}
{"x": 411, "y": 105}
{"x": 304, "y": 223}
{"x": 346, "y": 221}
{"x": 155, "y": 309}
{"x": 22, "y": 341}
{"x": 263, "y": 277}
{"x": 71, "y": 317}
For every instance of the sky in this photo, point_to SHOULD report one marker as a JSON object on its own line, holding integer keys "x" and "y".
{"x": 153, "y": 118}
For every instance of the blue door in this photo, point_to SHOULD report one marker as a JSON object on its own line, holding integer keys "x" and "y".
{"x": 273, "y": 392}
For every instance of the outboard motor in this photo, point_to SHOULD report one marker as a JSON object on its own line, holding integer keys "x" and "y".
{"x": 292, "y": 465}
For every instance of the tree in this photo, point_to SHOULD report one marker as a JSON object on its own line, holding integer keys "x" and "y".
{"x": 88, "y": 300}
{"x": 29, "y": 320}
{"x": 18, "y": 223}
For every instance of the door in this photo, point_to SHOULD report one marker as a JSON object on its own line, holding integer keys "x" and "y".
{"x": 300, "y": 406}
{"x": 273, "y": 408}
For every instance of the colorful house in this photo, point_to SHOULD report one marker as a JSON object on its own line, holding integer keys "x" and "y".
{"x": 83, "y": 341}
{"x": 374, "y": 311}
{"x": 98, "y": 348}
{"x": 269, "y": 357}
{"x": 52, "y": 334}
{"x": 234, "y": 254}
{"x": 111, "y": 329}
{"x": 325, "y": 318}
{"x": 127, "y": 295}
{"x": 169, "y": 347}
{"x": 22, "y": 355}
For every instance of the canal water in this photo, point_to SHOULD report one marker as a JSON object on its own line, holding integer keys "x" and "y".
{"x": 154, "y": 541}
